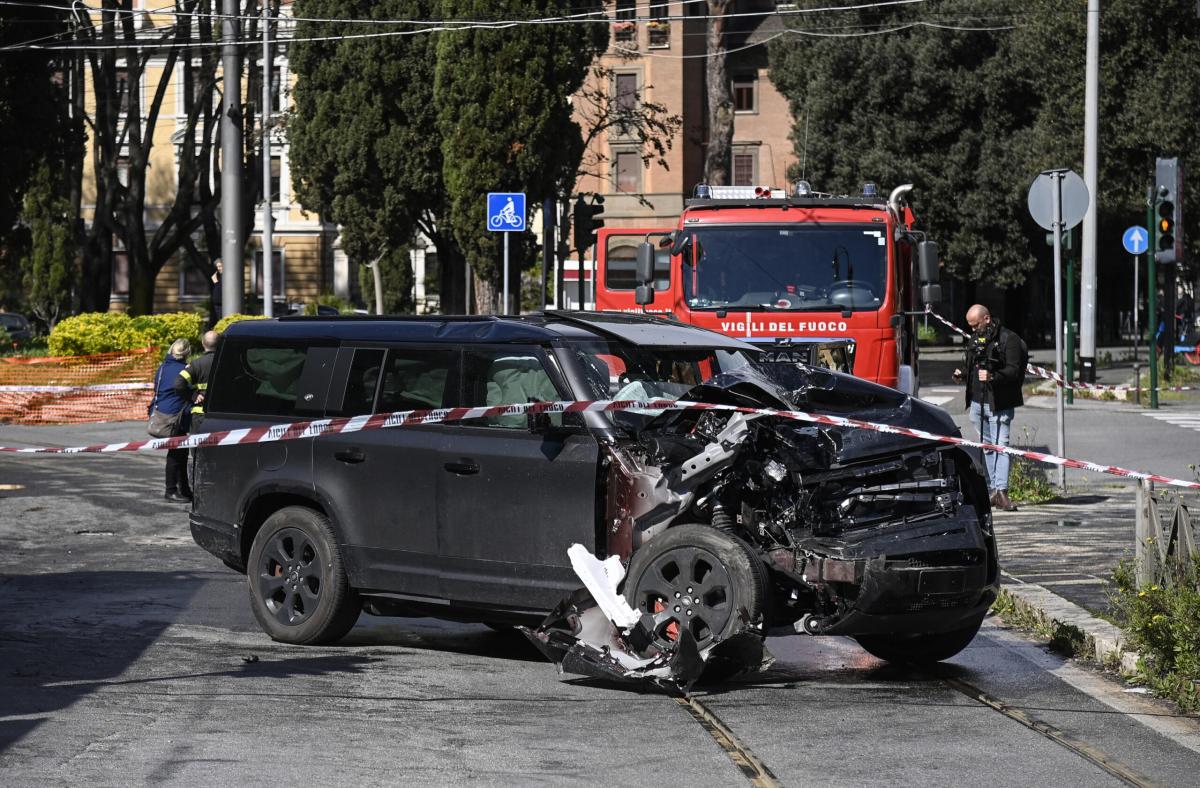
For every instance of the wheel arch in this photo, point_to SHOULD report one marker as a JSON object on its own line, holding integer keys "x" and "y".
{"x": 267, "y": 500}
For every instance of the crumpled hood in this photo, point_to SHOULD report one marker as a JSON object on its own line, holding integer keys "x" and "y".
{"x": 790, "y": 386}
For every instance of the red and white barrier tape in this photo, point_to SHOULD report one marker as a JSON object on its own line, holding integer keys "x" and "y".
{"x": 78, "y": 389}
{"x": 411, "y": 418}
{"x": 1059, "y": 381}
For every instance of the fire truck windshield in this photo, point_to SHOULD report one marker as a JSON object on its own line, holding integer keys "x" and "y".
{"x": 800, "y": 268}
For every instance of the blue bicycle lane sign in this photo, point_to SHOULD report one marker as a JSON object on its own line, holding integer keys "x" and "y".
{"x": 506, "y": 212}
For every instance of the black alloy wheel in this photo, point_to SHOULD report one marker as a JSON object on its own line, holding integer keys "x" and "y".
{"x": 698, "y": 578}
{"x": 298, "y": 588}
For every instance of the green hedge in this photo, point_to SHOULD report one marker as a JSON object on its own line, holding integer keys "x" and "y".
{"x": 114, "y": 332}
{"x": 229, "y": 320}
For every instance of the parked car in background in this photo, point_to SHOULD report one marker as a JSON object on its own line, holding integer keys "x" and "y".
{"x": 18, "y": 328}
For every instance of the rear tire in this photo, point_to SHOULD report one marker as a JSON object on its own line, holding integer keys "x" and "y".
{"x": 920, "y": 649}
{"x": 297, "y": 581}
{"x": 697, "y": 577}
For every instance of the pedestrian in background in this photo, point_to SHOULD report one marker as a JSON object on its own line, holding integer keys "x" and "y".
{"x": 995, "y": 364}
{"x": 192, "y": 382}
{"x": 167, "y": 400}
{"x": 215, "y": 299}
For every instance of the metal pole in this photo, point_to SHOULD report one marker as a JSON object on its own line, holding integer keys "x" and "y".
{"x": 1152, "y": 296}
{"x": 1136, "y": 328}
{"x": 504, "y": 309}
{"x": 268, "y": 279}
{"x": 1070, "y": 352}
{"x": 548, "y": 209}
{"x": 1087, "y": 277}
{"x": 1058, "y": 321}
{"x": 232, "y": 243}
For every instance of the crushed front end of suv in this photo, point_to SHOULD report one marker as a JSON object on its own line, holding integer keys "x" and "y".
{"x": 696, "y": 532}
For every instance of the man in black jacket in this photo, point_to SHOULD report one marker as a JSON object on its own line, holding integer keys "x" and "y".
{"x": 995, "y": 373}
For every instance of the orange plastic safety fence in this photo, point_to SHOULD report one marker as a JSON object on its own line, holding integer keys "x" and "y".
{"x": 75, "y": 389}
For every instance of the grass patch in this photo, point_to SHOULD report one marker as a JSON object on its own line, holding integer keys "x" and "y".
{"x": 1070, "y": 641}
{"x": 1163, "y": 622}
{"x": 1027, "y": 483}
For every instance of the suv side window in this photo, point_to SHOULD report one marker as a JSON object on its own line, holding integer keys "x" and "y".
{"x": 259, "y": 378}
{"x": 504, "y": 376}
{"x": 362, "y": 381}
{"x": 414, "y": 379}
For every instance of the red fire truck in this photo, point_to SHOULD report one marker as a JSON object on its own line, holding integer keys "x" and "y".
{"x": 808, "y": 274}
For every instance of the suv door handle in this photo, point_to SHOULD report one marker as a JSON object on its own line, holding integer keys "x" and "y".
{"x": 464, "y": 468}
{"x": 350, "y": 455}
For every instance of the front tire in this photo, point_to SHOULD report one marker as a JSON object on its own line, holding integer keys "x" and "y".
{"x": 699, "y": 578}
{"x": 920, "y": 649}
{"x": 297, "y": 581}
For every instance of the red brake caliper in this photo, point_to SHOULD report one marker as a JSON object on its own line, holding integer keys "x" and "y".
{"x": 672, "y": 629}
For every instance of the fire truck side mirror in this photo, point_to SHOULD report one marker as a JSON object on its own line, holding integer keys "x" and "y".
{"x": 931, "y": 294}
{"x": 927, "y": 262}
{"x": 645, "y": 263}
{"x": 644, "y": 295}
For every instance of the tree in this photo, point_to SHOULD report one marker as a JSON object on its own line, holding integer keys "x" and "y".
{"x": 945, "y": 110}
{"x": 49, "y": 270}
{"x": 503, "y": 115}
{"x": 123, "y": 130}
{"x": 35, "y": 125}
{"x": 396, "y": 269}
{"x": 365, "y": 151}
{"x": 718, "y": 154}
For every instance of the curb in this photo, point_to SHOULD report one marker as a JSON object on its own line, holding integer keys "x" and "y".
{"x": 1090, "y": 637}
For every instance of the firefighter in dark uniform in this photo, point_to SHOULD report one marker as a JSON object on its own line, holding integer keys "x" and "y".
{"x": 192, "y": 382}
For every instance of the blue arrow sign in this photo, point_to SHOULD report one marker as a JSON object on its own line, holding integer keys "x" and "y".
{"x": 1136, "y": 239}
{"x": 506, "y": 212}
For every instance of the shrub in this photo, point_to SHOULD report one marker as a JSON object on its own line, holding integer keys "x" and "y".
{"x": 926, "y": 335}
{"x": 95, "y": 332}
{"x": 161, "y": 330}
{"x": 229, "y": 320}
{"x": 1164, "y": 624}
{"x": 343, "y": 306}
{"x": 6, "y": 342}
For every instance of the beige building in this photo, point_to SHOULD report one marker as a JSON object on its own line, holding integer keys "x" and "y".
{"x": 657, "y": 53}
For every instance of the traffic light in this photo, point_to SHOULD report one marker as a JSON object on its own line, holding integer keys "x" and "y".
{"x": 1169, "y": 203}
{"x": 587, "y": 220}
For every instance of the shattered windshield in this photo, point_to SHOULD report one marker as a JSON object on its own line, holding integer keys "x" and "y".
{"x": 621, "y": 370}
{"x": 804, "y": 268}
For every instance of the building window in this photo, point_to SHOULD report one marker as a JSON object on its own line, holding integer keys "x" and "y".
{"x": 192, "y": 281}
{"x": 120, "y": 272}
{"x": 276, "y": 86}
{"x": 628, "y": 166}
{"x": 198, "y": 83}
{"x": 745, "y": 167}
{"x": 627, "y": 92}
{"x": 659, "y": 28}
{"x": 276, "y": 273}
{"x": 276, "y": 178}
{"x": 121, "y": 88}
{"x": 625, "y": 26}
{"x": 745, "y": 93}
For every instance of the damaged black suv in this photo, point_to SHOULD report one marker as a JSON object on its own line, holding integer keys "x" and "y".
{"x": 725, "y": 522}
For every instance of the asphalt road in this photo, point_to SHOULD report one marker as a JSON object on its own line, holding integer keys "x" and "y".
{"x": 129, "y": 656}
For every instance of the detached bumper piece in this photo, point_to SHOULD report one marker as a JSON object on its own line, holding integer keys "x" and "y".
{"x": 595, "y": 633}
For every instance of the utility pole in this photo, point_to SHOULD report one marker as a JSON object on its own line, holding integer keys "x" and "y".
{"x": 232, "y": 244}
{"x": 268, "y": 251}
{"x": 548, "y": 242}
{"x": 1087, "y": 275}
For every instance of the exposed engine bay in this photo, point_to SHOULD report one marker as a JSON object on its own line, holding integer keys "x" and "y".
{"x": 734, "y": 525}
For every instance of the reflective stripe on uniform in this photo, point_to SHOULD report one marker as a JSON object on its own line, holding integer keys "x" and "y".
{"x": 186, "y": 375}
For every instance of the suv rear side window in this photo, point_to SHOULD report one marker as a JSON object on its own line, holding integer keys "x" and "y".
{"x": 414, "y": 379}
{"x": 261, "y": 379}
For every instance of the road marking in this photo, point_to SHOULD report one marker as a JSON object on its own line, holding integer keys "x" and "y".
{"x": 1186, "y": 419}
{"x": 755, "y": 770}
{"x": 940, "y": 395}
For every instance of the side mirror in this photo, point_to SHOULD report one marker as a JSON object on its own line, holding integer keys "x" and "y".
{"x": 931, "y": 294}
{"x": 668, "y": 240}
{"x": 644, "y": 295}
{"x": 927, "y": 262}
{"x": 644, "y": 271}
